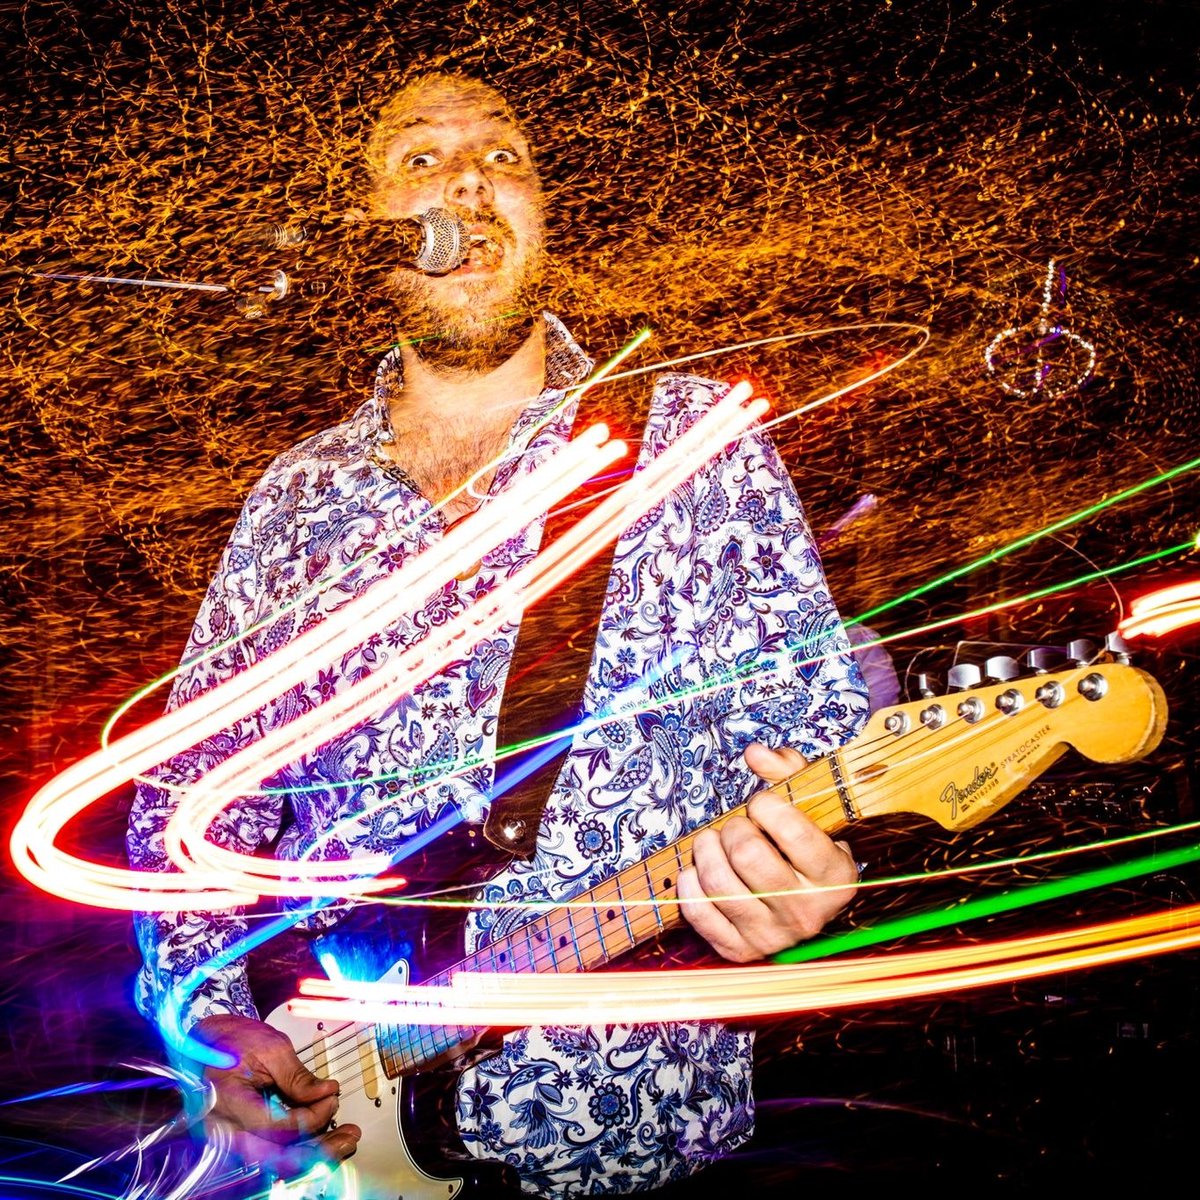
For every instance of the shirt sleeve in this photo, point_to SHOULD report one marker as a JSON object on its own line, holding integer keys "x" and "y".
{"x": 179, "y": 945}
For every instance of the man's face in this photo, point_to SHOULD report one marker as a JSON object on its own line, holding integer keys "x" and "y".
{"x": 452, "y": 144}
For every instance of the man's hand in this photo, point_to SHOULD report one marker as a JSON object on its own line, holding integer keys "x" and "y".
{"x": 287, "y": 1139}
{"x": 770, "y": 848}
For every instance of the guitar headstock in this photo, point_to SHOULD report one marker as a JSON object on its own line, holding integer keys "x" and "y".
{"x": 956, "y": 758}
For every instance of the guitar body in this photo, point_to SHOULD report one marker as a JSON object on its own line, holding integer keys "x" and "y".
{"x": 383, "y": 1167}
{"x": 403, "y": 1120}
{"x": 410, "y": 1146}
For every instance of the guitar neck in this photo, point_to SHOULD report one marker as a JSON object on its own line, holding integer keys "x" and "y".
{"x": 955, "y": 760}
{"x": 632, "y": 907}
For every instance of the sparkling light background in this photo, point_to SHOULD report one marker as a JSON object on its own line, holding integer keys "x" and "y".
{"x": 722, "y": 172}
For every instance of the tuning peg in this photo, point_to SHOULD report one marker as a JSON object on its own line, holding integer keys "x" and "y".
{"x": 1002, "y": 668}
{"x": 1042, "y": 659}
{"x": 926, "y": 688}
{"x": 963, "y": 675}
{"x": 1082, "y": 652}
{"x": 1118, "y": 647}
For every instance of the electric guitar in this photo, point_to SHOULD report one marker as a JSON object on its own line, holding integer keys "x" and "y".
{"x": 955, "y": 759}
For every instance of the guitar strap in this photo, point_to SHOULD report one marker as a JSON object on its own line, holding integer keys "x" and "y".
{"x": 544, "y": 690}
{"x": 543, "y": 695}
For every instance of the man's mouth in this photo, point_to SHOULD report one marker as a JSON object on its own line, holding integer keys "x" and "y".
{"x": 484, "y": 252}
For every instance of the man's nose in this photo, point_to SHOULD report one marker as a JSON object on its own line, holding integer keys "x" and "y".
{"x": 470, "y": 185}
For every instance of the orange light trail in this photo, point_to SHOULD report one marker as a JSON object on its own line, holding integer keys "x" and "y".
{"x": 1163, "y": 611}
{"x": 184, "y": 836}
{"x": 513, "y": 1000}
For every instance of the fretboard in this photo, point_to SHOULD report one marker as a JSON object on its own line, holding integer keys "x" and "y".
{"x": 633, "y": 906}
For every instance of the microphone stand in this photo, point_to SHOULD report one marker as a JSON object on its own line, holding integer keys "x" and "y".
{"x": 253, "y": 303}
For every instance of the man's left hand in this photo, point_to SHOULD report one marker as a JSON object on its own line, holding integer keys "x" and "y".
{"x": 769, "y": 877}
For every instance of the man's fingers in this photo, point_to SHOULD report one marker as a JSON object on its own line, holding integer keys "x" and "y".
{"x": 268, "y": 1091}
{"x": 774, "y": 766}
{"x": 712, "y": 876}
{"x": 765, "y": 881}
{"x": 802, "y": 842}
{"x": 299, "y": 1085}
{"x": 293, "y": 1159}
{"x": 244, "y": 1106}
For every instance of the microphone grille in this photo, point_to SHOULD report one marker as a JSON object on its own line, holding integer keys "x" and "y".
{"x": 445, "y": 242}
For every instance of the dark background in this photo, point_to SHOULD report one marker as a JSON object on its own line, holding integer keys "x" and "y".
{"x": 723, "y": 173}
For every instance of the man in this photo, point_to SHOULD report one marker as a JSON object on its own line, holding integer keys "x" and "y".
{"x": 733, "y": 573}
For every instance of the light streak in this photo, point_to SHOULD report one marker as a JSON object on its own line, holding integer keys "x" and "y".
{"x": 1163, "y": 611}
{"x": 780, "y": 339}
{"x": 1072, "y": 519}
{"x": 504, "y": 999}
{"x": 73, "y": 789}
{"x": 1028, "y": 597}
{"x": 33, "y": 841}
{"x": 630, "y": 707}
{"x": 184, "y": 835}
{"x": 726, "y": 993}
{"x": 992, "y": 905}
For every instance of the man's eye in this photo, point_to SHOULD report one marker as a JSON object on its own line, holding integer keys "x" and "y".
{"x": 502, "y": 156}
{"x": 421, "y": 159}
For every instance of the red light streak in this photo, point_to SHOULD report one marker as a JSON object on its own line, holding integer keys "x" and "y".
{"x": 1163, "y": 611}
{"x": 212, "y": 878}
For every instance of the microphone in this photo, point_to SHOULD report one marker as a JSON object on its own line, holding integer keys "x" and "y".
{"x": 433, "y": 242}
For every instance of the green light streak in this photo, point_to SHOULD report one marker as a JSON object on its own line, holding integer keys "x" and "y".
{"x": 1030, "y": 538}
{"x": 972, "y": 910}
{"x": 1039, "y": 594}
{"x": 740, "y": 674}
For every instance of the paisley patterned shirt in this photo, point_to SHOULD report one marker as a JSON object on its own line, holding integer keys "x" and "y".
{"x": 722, "y": 577}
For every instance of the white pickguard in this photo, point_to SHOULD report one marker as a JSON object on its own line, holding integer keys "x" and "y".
{"x": 382, "y": 1167}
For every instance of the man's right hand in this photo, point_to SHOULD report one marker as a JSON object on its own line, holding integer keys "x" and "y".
{"x": 288, "y": 1138}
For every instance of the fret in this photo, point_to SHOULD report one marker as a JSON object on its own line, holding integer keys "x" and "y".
{"x": 546, "y": 937}
{"x": 530, "y": 959}
{"x": 495, "y": 956}
{"x": 573, "y": 942}
{"x": 633, "y": 940}
{"x": 603, "y": 948}
{"x": 651, "y": 894}
{"x": 613, "y": 917}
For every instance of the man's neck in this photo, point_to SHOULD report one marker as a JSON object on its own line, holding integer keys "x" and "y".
{"x": 454, "y": 427}
{"x": 486, "y": 399}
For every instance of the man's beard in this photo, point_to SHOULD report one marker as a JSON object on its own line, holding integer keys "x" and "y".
{"x": 485, "y": 322}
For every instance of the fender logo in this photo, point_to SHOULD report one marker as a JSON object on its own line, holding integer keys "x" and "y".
{"x": 961, "y": 799}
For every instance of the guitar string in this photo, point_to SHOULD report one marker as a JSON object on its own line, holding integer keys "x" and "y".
{"x": 553, "y": 922}
{"x": 442, "y": 1040}
{"x": 544, "y": 955}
